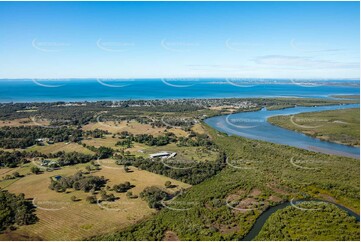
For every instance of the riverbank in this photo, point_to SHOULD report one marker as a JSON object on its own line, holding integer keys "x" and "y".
{"x": 338, "y": 126}
{"x": 254, "y": 125}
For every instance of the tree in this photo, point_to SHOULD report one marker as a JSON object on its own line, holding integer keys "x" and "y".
{"x": 168, "y": 184}
{"x": 126, "y": 169}
{"x": 91, "y": 199}
{"x": 35, "y": 169}
{"x": 76, "y": 185}
{"x": 8, "y": 177}
{"x": 16, "y": 174}
{"x": 103, "y": 195}
{"x": 88, "y": 168}
{"x": 92, "y": 191}
{"x": 104, "y": 152}
{"x": 131, "y": 195}
{"x": 111, "y": 197}
{"x": 154, "y": 195}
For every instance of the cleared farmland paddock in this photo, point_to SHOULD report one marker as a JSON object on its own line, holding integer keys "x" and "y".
{"x": 19, "y": 122}
{"x": 62, "y": 219}
{"x": 198, "y": 128}
{"x": 61, "y": 146}
{"x": 107, "y": 141}
{"x": 133, "y": 127}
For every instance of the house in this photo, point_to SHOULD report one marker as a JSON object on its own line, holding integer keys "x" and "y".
{"x": 163, "y": 154}
{"x": 42, "y": 139}
{"x": 159, "y": 155}
{"x": 49, "y": 163}
{"x": 172, "y": 155}
{"x": 45, "y": 162}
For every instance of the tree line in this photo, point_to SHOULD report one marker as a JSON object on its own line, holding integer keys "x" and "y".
{"x": 25, "y": 136}
{"x": 15, "y": 210}
{"x": 16, "y": 158}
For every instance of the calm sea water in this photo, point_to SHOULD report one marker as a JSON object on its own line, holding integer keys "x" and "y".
{"x": 95, "y": 90}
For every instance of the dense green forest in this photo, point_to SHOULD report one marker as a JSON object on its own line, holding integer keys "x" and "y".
{"x": 13, "y": 159}
{"x": 17, "y": 158}
{"x": 25, "y": 136}
{"x": 322, "y": 222}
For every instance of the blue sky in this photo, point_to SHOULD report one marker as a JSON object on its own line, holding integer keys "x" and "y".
{"x": 179, "y": 39}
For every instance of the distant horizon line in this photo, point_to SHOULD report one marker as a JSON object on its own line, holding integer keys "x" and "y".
{"x": 180, "y": 78}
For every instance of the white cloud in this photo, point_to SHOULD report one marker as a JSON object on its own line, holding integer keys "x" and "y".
{"x": 303, "y": 62}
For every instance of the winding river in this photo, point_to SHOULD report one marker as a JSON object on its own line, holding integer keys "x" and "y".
{"x": 254, "y": 125}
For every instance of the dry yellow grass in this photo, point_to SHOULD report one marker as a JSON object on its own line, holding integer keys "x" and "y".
{"x": 107, "y": 141}
{"x": 5, "y": 171}
{"x": 62, "y": 219}
{"x": 137, "y": 148}
{"x": 18, "y": 122}
{"x": 61, "y": 146}
{"x": 23, "y": 170}
{"x": 198, "y": 128}
{"x": 228, "y": 108}
{"x": 133, "y": 127}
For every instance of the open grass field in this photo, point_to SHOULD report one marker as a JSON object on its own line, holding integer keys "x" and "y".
{"x": 19, "y": 122}
{"x": 225, "y": 108}
{"x": 107, "y": 141}
{"x": 61, "y": 146}
{"x": 23, "y": 170}
{"x": 133, "y": 127}
{"x": 339, "y": 126}
{"x": 62, "y": 219}
{"x": 198, "y": 128}
{"x": 137, "y": 149}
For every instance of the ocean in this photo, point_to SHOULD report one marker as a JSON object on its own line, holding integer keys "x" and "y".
{"x": 71, "y": 90}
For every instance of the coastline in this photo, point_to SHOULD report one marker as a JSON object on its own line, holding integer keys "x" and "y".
{"x": 21, "y": 91}
{"x": 324, "y": 98}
